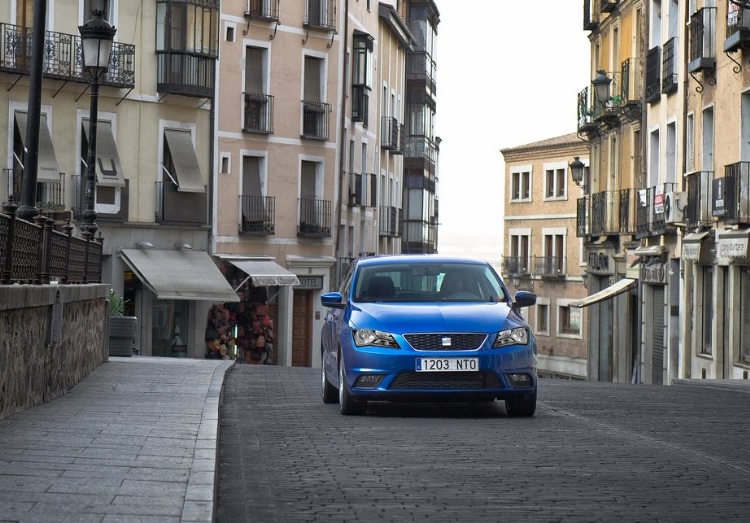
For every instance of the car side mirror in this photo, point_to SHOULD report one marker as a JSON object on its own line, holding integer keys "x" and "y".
{"x": 333, "y": 300}
{"x": 524, "y": 299}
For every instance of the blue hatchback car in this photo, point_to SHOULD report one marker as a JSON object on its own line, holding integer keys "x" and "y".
{"x": 427, "y": 327}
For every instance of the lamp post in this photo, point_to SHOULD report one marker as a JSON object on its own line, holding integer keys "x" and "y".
{"x": 96, "y": 43}
{"x": 577, "y": 168}
{"x": 601, "y": 87}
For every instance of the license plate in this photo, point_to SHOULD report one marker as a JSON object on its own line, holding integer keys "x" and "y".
{"x": 447, "y": 364}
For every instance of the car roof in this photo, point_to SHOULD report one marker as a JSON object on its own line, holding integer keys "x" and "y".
{"x": 419, "y": 258}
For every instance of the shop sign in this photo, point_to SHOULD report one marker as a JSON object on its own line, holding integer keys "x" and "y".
{"x": 654, "y": 272}
{"x": 659, "y": 200}
{"x": 600, "y": 263}
{"x": 733, "y": 247}
{"x": 717, "y": 205}
{"x": 691, "y": 251}
{"x": 310, "y": 282}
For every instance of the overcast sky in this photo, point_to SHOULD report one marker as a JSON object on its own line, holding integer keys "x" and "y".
{"x": 508, "y": 74}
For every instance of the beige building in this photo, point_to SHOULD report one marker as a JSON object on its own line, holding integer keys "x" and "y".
{"x": 542, "y": 251}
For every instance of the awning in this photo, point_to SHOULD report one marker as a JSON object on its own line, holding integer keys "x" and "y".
{"x": 187, "y": 175}
{"x": 649, "y": 250}
{"x": 180, "y": 275}
{"x": 264, "y": 273}
{"x": 47, "y": 170}
{"x": 109, "y": 172}
{"x": 733, "y": 244}
{"x": 604, "y": 294}
{"x": 692, "y": 245}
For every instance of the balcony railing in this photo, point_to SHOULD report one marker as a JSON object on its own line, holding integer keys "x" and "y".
{"x": 421, "y": 66}
{"x": 702, "y": 37}
{"x": 699, "y": 198}
{"x": 49, "y": 192}
{"x": 314, "y": 218}
{"x": 650, "y": 210}
{"x": 258, "y": 113}
{"x": 653, "y": 75}
{"x": 623, "y": 104}
{"x": 610, "y": 213}
{"x": 549, "y": 266}
{"x": 419, "y": 146}
{"x": 363, "y": 190}
{"x": 389, "y": 223}
{"x": 737, "y": 193}
{"x": 34, "y": 253}
{"x": 669, "y": 67}
{"x": 315, "y": 120}
{"x": 79, "y": 201}
{"x": 320, "y": 14}
{"x": 185, "y": 73}
{"x": 263, "y": 10}
{"x": 515, "y": 266}
{"x": 62, "y": 57}
{"x": 391, "y": 135}
{"x": 590, "y": 15}
{"x": 175, "y": 207}
{"x": 258, "y": 215}
{"x": 738, "y": 28}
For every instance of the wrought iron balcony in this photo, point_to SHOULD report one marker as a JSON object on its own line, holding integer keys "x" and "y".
{"x": 391, "y": 135}
{"x": 699, "y": 191}
{"x": 738, "y": 28}
{"x": 549, "y": 266}
{"x": 610, "y": 213}
{"x": 624, "y": 104}
{"x": 320, "y": 14}
{"x": 650, "y": 210}
{"x": 737, "y": 193}
{"x": 583, "y": 223}
{"x": 258, "y": 215}
{"x": 62, "y": 58}
{"x": 314, "y": 218}
{"x": 362, "y": 190}
{"x": 389, "y": 223}
{"x": 185, "y": 73}
{"x": 515, "y": 266}
{"x": 590, "y": 15}
{"x": 702, "y": 32}
{"x": 263, "y": 10}
{"x": 653, "y": 75}
{"x": 315, "y": 120}
{"x": 258, "y": 113}
{"x": 669, "y": 67}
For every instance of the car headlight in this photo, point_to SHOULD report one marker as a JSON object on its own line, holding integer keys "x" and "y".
{"x": 373, "y": 338}
{"x": 519, "y": 336}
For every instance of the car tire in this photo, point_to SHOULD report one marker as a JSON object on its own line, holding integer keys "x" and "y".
{"x": 521, "y": 406}
{"x": 330, "y": 394}
{"x": 347, "y": 404}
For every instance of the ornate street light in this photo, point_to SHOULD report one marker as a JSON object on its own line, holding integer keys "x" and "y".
{"x": 577, "y": 168}
{"x": 96, "y": 42}
{"x": 601, "y": 87}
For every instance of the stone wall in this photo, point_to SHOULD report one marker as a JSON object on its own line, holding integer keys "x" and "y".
{"x": 51, "y": 337}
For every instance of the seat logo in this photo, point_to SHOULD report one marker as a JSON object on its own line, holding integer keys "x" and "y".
{"x": 446, "y": 342}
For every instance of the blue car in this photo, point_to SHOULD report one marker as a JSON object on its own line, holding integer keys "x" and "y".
{"x": 427, "y": 327}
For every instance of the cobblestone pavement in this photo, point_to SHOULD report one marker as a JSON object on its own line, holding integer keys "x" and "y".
{"x": 593, "y": 453}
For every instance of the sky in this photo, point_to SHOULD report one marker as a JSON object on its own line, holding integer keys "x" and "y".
{"x": 508, "y": 74}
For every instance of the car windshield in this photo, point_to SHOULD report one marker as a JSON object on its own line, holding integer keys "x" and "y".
{"x": 428, "y": 282}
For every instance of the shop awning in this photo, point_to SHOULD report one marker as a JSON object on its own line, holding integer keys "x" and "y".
{"x": 692, "y": 245}
{"x": 47, "y": 170}
{"x": 604, "y": 294}
{"x": 109, "y": 172}
{"x": 264, "y": 273}
{"x": 180, "y": 275}
{"x": 734, "y": 244}
{"x": 187, "y": 175}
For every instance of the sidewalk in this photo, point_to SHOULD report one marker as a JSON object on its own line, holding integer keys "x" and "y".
{"x": 135, "y": 440}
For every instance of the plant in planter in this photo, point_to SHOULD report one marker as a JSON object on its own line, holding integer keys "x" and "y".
{"x": 122, "y": 329}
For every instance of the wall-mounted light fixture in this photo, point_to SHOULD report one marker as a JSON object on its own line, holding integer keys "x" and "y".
{"x": 183, "y": 246}
{"x": 144, "y": 245}
{"x": 601, "y": 87}
{"x": 578, "y": 172}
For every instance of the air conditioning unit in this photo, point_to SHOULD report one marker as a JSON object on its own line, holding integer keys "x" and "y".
{"x": 674, "y": 207}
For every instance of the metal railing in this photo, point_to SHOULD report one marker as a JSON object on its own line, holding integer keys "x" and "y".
{"x": 669, "y": 66}
{"x": 315, "y": 120}
{"x": 583, "y": 228}
{"x": 549, "y": 266}
{"x": 421, "y": 66}
{"x": 258, "y": 215}
{"x": 62, "y": 58}
{"x": 702, "y": 34}
{"x": 185, "y": 73}
{"x": 515, "y": 266}
{"x": 391, "y": 135}
{"x": 263, "y": 9}
{"x": 653, "y": 75}
{"x": 258, "y": 113}
{"x": 320, "y": 14}
{"x": 314, "y": 218}
{"x": 610, "y": 212}
{"x": 738, "y": 27}
{"x": 650, "y": 210}
{"x": 699, "y": 191}
{"x": 737, "y": 193}
{"x": 34, "y": 253}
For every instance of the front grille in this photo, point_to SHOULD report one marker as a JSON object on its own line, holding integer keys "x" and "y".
{"x": 453, "y": 341}
{"x": 446, "y": 381}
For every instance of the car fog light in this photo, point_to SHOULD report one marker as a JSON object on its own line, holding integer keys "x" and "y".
{"x": 520, "y": 380}
{"x": 368, "y": 381}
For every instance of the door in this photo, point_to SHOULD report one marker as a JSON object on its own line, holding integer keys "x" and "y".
{"x": 657, "y": 347}
{"x": 302, "y": 329}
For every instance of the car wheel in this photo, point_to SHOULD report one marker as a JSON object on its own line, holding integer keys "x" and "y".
{"x": 330, "y": 394}
{"x": 347, "y": 404}
{"x": 521, "y": 406}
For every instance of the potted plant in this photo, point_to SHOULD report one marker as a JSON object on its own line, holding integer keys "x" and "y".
{"x": 122, "y": 329}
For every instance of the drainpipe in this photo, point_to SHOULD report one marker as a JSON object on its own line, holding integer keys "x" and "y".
{"x": 342, "y": 135}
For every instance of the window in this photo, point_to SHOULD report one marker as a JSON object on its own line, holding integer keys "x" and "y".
{"x": 361, "y": 75}
{"x": 258, "y": 105}
{"x": 315, "y": 112}
{"x": 690, "y": 143}
{"x": 708, "y": 317}
{"x": 518, "y": 262}
{"x": 542, "y": 317}
{"x": 554, "y": 182}
{"x": 569, "y": 320}
{"x": 188, "y": 25}
{"x": 105, "y": 6}
{"x": 554, "y": 254}
{"x": 520, "y": 183}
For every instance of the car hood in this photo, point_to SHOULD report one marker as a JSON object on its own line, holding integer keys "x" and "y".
{"x": 434, "y": 317}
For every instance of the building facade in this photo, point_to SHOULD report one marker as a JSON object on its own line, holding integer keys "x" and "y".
{"x": 543, "y": 252}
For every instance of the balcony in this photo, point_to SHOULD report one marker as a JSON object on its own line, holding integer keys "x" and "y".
{"x": 389, "y": 223}
{"x": 314, "y": 218}
{"x": 699, "y": 189}
{"x": 421, "y": 67}
{"x": 650, "y": 210}
{"x": 517, "y": 266}
{"x": 653, "y": 75}
{"x": 590, "y": 15}
{"x": 391, "y": 135}
{"x": 320, "y": 14}
{"x": 549, "y": 266}
{"x": 737, "y": 193}
{"x": 422, "y": 149}
{"x": 315, "y": 120}
{"x": 360, "y": 104}
{"x": 263, "y": 10}
{"x": 610, "y": 213}
{"x": 702, "y": 35}
{"x": 738, "y": 28}
{"x": 669, "y": 67}
{"x": 258, "y": 215}
{"x": 174, "y": 207}
{"x": 258, "y": 113}
{"x": 624, "y": 104}
{"x": 362, "y": 190}
{"x": 62, "y": 58}
{"x": 185, "y": 73}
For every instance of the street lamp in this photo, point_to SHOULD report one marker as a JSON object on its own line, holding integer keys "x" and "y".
{"x": 601, "y": 87}
{"x": 96, "y": 43}
{"x": 577, "y": 169}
